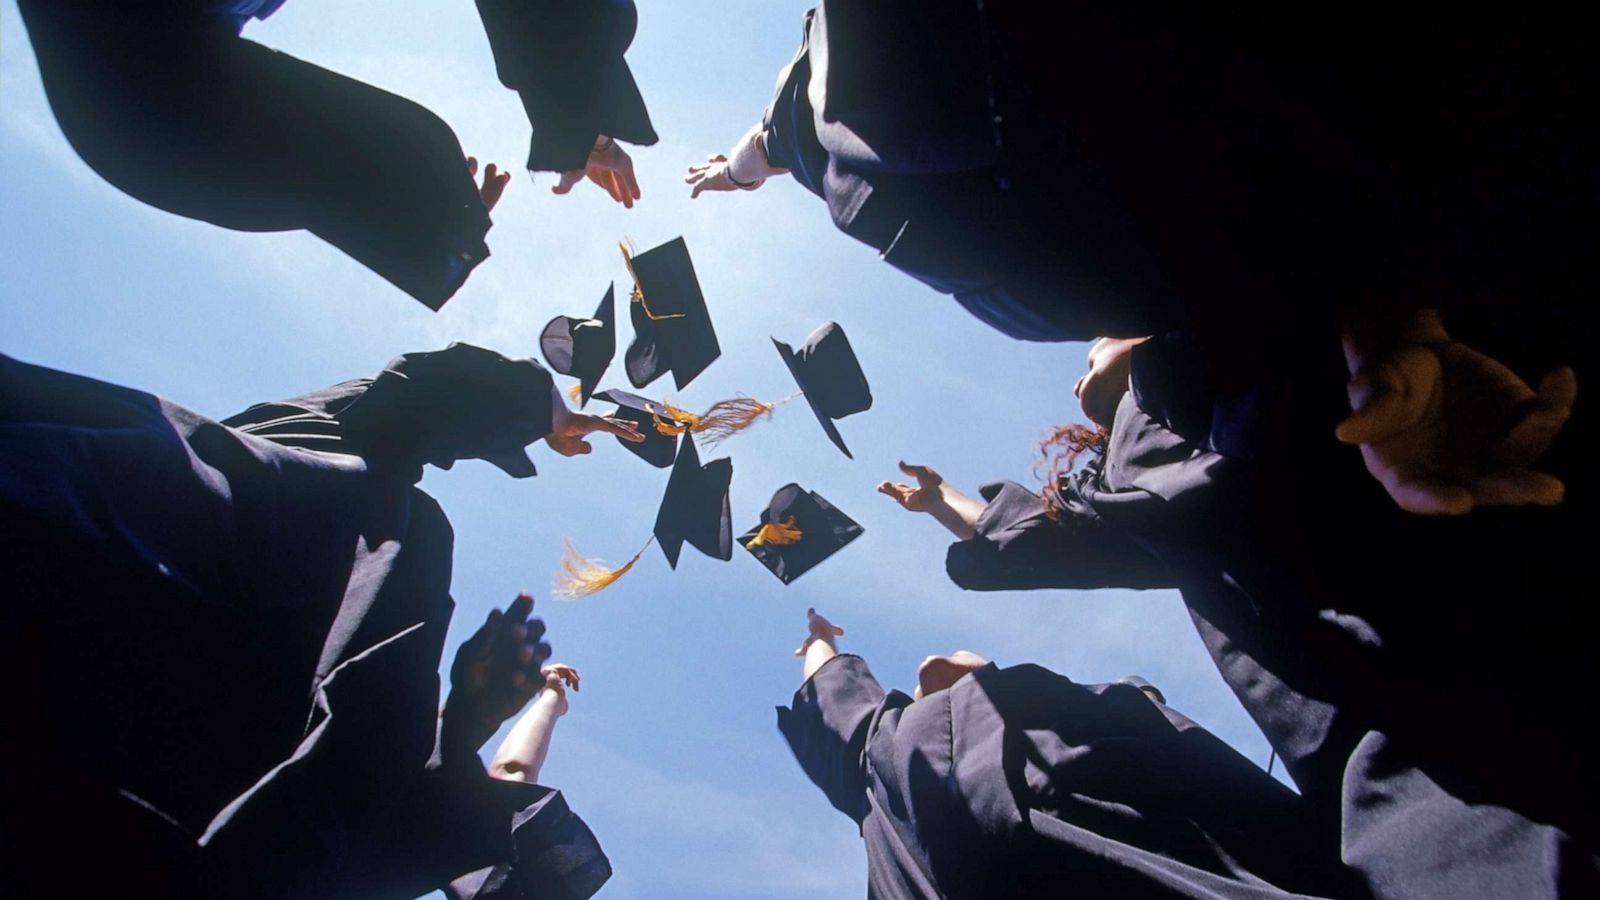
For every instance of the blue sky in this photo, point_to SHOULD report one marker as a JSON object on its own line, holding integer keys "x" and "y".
{"x": 671, "y": 752}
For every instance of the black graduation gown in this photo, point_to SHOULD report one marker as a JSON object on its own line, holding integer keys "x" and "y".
{"x": 1357, "y": 637}
{"x": 1017, "y": 782}
{"x": 1129, "y": 171}
{"x": 230, "y": 642}
{"x": 168, "y": 103}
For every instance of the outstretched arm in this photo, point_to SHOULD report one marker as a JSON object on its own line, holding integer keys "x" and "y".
{"x": 522, "y": 754}
{"x": 954, "y": 510}
{"x": 818, "y": 647}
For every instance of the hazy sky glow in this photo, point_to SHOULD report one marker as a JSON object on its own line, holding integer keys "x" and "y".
{"x": 671, "y": 751}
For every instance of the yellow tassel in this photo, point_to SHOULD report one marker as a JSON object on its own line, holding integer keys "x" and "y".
{"x": 727, "y": 418}
{"x": 637, "y": 294}
{"x": 581, "y": 577}
{"x": 575, "y": 391}
{"x": 776, "y": 533}
{"x": 677, "y": 420}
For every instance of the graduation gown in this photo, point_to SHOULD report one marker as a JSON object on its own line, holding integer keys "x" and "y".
{"x": 1130, "y": 171}
{"x": 1017, "y": 782}
{"x": 1356, "y": 636}
{"x": 169, "y": 104}
{"x": 229, "y": 635}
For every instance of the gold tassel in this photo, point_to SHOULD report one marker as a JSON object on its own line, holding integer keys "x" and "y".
{"x": 575, "y": 391}
{"x": 581, "y": 577}
{"x": 776, "y": 533}
{"x": 677, "y": 420}
{"x": 727, "y": 418}
{"x": 637, "y": 294}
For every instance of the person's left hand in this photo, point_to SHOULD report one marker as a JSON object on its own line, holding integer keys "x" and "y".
{"x": 818, "y": 629}
{"x": 1101, "y": 388}
{"x": 568, "y": 430}
{"x": 610, "y": 167}
{"x": 494, "y": 182}
{"x": 1445, "y": 428}
{"x": 495, "y": 673}
{"x": 557, "y": 678}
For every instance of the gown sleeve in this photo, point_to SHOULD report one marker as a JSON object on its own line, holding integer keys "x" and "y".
{"x": 557, "y": 856}
{"x": 463, "y": 402}
{"x": 1020, "y": 546}
{"x": 565, "y": 59}
{"x": 828, "y": 725}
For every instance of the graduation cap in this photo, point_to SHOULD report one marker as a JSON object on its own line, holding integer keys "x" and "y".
{"x": 671, "y": 327}
{"x": 798, "y": 530}
{"x": 830, "y": 375}
{"x": 583, "y": 347}
{"x": 658, "y": 422}
{"x": 694, "y": 509}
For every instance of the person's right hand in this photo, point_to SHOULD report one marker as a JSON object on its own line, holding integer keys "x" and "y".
{"x": 569, "y": 429}
{"x": 818, "y": 629}
{"x": 608, "y": 166}
{"x": 557, "y": 678}
{"x": 924, "y": 497}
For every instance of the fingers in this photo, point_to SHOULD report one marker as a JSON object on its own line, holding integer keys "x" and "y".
{"x": 1378, "y": 408}
{"x": 567, "y": 180}
{"x": 1423, "y": 492}
{"x": 494, "y": 185}
{"x": 1542, "y": 421}
{"x": 622, "y": 428}
{"x": 472, "y": 166}
{"x": 630, "y": 181}
{"x": 926, "y": 477}
{"x": 1517, "y": 487}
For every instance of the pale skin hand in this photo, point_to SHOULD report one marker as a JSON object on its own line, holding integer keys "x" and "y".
{"x": 523, "y": 752}
{"x": 957, "y": 512}
{"x": 818, "y": 647}
{"x": 494, "y": 674}
{"x": 610, "y": 167}
{"x": 494, "y": 182}
{"x": 713, "y": 174}
{"x": 569, "y": 429}
{"x": 1445, "y": 428}
{"x": 1101, "y": 388}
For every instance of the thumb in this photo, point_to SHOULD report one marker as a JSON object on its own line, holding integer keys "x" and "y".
{"x": 567, "y": 180}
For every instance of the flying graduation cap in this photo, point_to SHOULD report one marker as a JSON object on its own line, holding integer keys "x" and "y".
{"x": 671, "y": 327}
{"x": 829, "y": 374}
{"x": 656, "y": 422}
{"x": 583, "y": 347}
{"x": 798, "y": 530}
{"x": 694, "y": 509}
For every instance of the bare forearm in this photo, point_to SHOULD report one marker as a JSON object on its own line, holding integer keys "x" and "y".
{"x": 522, "y": 754}
{"x": 747, "y": 159}
{"x": 957, "y": 512}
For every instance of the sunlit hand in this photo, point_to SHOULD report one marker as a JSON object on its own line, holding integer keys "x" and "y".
{"x": 494, "y": 182}
{"x": 569, "y": 429}
{"x": 928, "y": 493}
{"x": 1100, "y": 389}
{"x": 610, "y": 167}
{"x": 818, "y": 629}
{"x": 1445, "y": 428}
{"x": 557, "y": 678}
{"x": 494, "y": 674}
{"x": 713, "y": 176}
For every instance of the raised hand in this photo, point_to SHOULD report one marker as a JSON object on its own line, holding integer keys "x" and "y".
{"x": 1445, "y": 428}
{"x": 927, "y": 495}
{"x": 495, "y": 673}
{"x": 568, "y": 430}
{"x": 610, "y": 167}
{"x": 557, "y": 678}
{"x": 818, "y": 629}
{"x": 1100, "y": 389}
{"x": 713, "y": 176}
{"x": 494, "y": 182}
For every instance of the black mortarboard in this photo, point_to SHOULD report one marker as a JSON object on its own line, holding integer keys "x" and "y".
{"x": 827, "y": 370}
{"x": 658, "y": 449}
{"x": 671, "y": 328}
{"x": 798, "y": 530}
{"x": 695, "y": 508}
{"x": 583, "y": 347}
